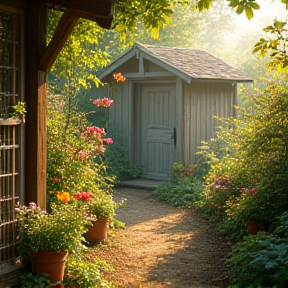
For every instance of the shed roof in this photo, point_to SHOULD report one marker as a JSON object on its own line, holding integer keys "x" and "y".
{"x": 188, "y": 64}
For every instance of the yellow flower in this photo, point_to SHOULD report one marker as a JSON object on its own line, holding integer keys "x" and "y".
{"x": 63, "y": 196}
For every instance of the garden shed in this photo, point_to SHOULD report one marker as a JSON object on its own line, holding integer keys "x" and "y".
{"x": 165, "y": 107}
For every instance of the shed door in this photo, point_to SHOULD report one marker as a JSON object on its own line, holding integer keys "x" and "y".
{"x": 157, "y": 130}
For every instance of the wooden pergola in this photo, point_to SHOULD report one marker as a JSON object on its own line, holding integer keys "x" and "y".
{"x": 38, "y": 60}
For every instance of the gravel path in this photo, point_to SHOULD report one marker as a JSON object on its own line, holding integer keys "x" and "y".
{"x": 162, "y": 246}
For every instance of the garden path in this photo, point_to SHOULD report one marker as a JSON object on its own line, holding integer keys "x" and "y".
{"x": 161, "y": 246}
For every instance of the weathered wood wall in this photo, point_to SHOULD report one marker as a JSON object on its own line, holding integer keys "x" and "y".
{"x": 202, "y": 101}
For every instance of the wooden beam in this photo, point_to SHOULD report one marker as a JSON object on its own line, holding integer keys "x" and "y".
{"x": 35, "y": 97}
{"x": 14, "y": 3}
{"x": 65, "y": 26}
{"x": 99, "y": 8}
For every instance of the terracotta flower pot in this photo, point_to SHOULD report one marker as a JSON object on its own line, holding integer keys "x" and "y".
{"x": 51, "y": 263}
{"x": 253, "y": 226}
{"x": 98, "y": 231}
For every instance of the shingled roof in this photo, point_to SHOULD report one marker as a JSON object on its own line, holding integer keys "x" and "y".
{"x": 191, "y": 63}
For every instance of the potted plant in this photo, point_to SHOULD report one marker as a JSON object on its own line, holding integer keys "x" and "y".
{"x": 251, "y": 207}
{"x": 16, "y": 116}
{"x": 45, "y": 237}
{"x": 100, "y": 209}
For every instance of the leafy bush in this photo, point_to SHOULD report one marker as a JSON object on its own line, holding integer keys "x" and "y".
{"x": 184, "y": 188}
{"x": 28, "y": 280}
{"x": 261, "y": 260}
{"x": 116, "y": 158}
{"x": 82, "y": 273}
{"x": 248, "y": 150}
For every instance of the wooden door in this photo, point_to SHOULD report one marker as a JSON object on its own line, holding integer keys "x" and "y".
{"x": 157, "y": 130}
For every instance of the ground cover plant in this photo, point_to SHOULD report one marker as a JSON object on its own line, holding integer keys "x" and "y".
{"x": 261, "y": 260}
{"x": 183, "y": 189}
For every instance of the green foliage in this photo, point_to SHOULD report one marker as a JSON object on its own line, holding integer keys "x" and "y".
{"x": 232, "y": 229}
{"x": 19, "y": 110}
{"x": 274, "y": 42}
{"x": 261, "y": 260}
{"x": 102, "y": 205}
{"x": 28, "y": 280}
{"x": 183, "y": 189}
{"x": 82, "y": 273}
{"x": 116, "y": 157}
{"x": 251, "y": 206}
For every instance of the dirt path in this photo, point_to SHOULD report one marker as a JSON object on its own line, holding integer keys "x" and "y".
{"x": 162, "y": 246}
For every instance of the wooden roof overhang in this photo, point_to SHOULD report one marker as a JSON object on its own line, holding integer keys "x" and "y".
{"x": 100, "y": 11}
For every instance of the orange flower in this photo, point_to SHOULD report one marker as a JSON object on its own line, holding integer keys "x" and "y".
{"x": 63, "y": 196}
{"x": 119, "y": 77}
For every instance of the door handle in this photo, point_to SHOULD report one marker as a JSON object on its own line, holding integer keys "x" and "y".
{"x": 174, "y": 136}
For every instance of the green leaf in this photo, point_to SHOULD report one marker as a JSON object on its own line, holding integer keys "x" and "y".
{"x": 234, "y": 3}
{"x": 204, "y": 4}
{"x": 240, "y": 9}
{"x": 279, "y": 24}
{"x": 254, "y": 5}
{"x": 249, "y": 12}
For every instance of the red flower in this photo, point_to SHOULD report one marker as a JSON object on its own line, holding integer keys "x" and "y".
{"x": 95, "y": 130}
{"x": 97, "y": 102}
{"x": 83, "y": 195}
{"x": 253, "y": 191}
{"x": 56, "y": 180}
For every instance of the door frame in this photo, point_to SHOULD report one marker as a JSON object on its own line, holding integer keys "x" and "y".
{"x": 136, "y": 127}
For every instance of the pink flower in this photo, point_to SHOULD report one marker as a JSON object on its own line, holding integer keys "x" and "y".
{"x": 105, "y": 102}
{"x": 244, "y": 191}
{"x": 97, "y": 102}
{"x": 32, "y": 205}
{"x": 82, "y": 154}
{"x": 253, "y": 191}
{"x": 108, "y": 140}
{"x": 56, "y": 180}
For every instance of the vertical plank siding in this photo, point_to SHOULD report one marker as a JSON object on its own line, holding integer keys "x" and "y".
{"x": 120, "y": 114}
{"x": 202, "y": 101}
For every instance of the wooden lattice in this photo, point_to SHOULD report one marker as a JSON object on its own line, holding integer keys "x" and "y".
{"x": 10, "y": 88}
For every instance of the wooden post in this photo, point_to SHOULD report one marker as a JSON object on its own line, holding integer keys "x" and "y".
{"x": 35, "y": 89}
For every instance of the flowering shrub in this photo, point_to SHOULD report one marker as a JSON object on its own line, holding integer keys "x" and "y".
{"x": 252, "y": 205}
{"x": 73, "y": 148}
{"x": 252, "y": 150}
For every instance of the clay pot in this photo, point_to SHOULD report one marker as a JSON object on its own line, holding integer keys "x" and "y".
{"x": 253, "y": 226}
{"x": 50, "y": 263}
{"x": 98, "y": 231}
